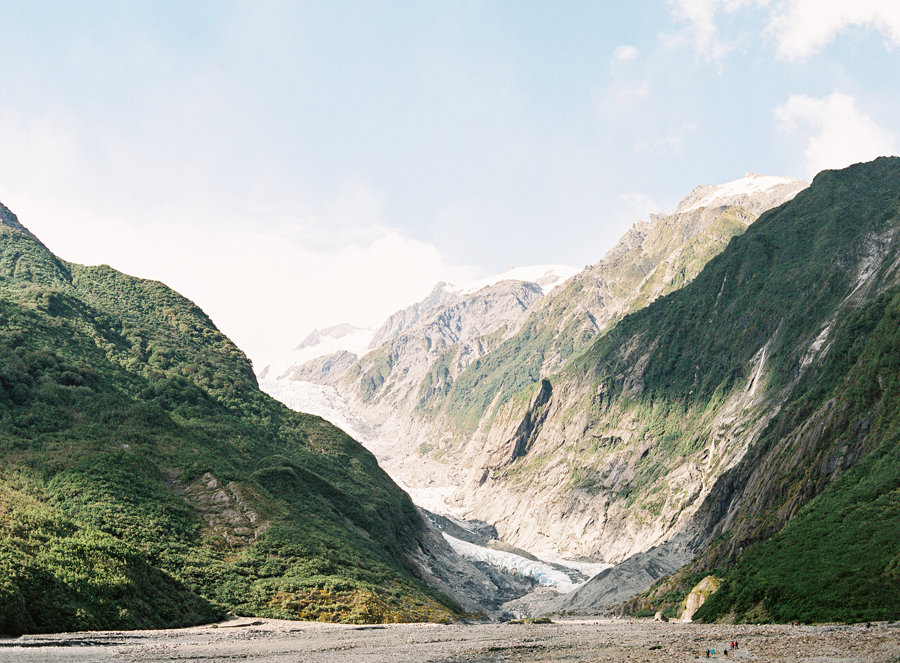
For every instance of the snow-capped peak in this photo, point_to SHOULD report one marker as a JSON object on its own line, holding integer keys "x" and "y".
{"x": 319, "y": 343}
{"x": 546, "y": 276}
{"x": 706, "y": 195}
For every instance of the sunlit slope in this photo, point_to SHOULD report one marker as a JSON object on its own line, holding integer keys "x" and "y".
{"x": 146, "y": 482}
{"x": 651, "y": 261}
{"x": 792, "y": 333}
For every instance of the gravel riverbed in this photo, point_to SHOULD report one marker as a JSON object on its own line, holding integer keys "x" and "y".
{"x": 580, "y": 640}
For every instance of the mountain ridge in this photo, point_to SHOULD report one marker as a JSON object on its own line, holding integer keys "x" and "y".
{"x": 744, "y": 411}
{"x": 833, "y": 254}
{"x": 473, "y": 404}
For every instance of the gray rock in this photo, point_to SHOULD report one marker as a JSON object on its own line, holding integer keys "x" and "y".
{"x": 620, "y": 582}
{"x": 321, "y": 370}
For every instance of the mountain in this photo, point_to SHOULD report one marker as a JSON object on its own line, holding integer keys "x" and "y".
{"x": 749, "y": 421}
{"x": 345, "y": 339}
{"x": 146, "y": 482}
{"x": 453, "y": 380}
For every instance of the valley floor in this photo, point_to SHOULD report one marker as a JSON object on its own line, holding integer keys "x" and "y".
{"x": 566, "y": 640}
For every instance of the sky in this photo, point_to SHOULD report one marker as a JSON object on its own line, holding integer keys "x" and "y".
{"x": 297, "y": 165}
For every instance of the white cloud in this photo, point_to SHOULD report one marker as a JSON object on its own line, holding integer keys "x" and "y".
{"x": 800, "y": 27}
{"x": 702, "y": 17}
{"x": 624, "y": 91}
{"x": 838, "y": 133}
{"x": 625, "y": 53}
{"x": 803, "y": 27}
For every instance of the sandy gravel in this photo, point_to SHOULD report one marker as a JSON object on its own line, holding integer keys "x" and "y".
{"x": 581, "y": 640}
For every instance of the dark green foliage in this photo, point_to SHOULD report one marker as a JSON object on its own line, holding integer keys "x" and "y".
{"x": 563, "y": 327}
{"x": 800, "y": 270}
{"x": 837, "y": 559}
{"x": 116, "y": 397}
{"x": 514, "y": 366}
{"x": 56, "y": 575}
{"x": 787, "y": 273}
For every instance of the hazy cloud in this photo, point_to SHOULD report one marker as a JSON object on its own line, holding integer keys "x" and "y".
{"x": 803, "y": 27}
{"x": 838, "y": 133}
{"x": 262, "y": 287}
{"x": 800, "y": 27}
{"x": 268, "y": 259}
{"x": 702, "y": 17}
{"x": 625, "y": 53}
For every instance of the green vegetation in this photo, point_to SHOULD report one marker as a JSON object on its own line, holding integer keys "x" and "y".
{"x": 814, "y": 509}
{"x": 835, "y": 561}
{"x": 667, "y": 595}
{"x": 838, "y": 558}
{"x": 781, "y": 275}
{"x": 531, "y": 620}
{"x": 119, "y": 400}
{"x": 556, "y": 332}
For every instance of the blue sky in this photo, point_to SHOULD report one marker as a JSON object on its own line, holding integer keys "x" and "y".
{"x": 290, "y": 165}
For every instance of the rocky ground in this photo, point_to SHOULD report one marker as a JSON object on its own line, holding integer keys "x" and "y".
{"x": 565, "y": 640}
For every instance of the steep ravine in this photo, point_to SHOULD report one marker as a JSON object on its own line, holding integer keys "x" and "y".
{"x": 817, "y": 285}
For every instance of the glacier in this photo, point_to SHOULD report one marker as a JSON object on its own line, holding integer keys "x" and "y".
{"x": 542, "y": 572}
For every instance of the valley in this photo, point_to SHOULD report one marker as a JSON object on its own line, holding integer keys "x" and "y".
{"x": 609, "y": 420}
{"x": 714, "y": 401}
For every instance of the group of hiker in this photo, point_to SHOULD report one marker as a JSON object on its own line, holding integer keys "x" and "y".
{"x": 732, "y": 645}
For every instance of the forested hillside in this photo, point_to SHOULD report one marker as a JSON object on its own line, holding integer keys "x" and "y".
{"x": 145, "y": 481}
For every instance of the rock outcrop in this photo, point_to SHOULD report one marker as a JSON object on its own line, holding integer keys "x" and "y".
{"x": 225, "y": 510}
{"x": 697, "y": 597}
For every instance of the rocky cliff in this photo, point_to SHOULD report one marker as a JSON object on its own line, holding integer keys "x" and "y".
{"x": 771, "y": 378}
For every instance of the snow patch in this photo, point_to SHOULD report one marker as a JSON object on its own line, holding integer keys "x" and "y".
{"x": 356, "y": 342}
{"x": 587, "y": 569}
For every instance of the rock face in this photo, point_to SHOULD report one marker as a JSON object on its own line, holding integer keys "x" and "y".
{"x": 317, "y": 337}
{"x": 698, "y": 595}
{"x": 477, "y": 587}
{"x": 503, "y": 405}
{"x": 321, "y": 370}
{"x": 400, "y": 321}
{"x": 746, "y": 377}
{"x": 422, "y": 362}
{"x": 226, "y": 511}
{"x": 616, "y": 584}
